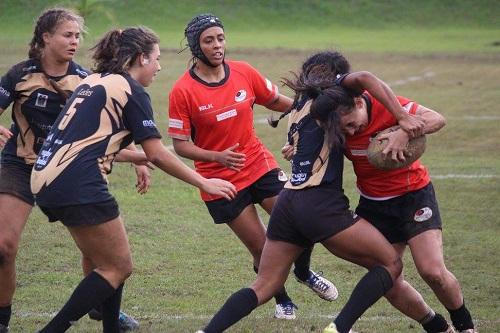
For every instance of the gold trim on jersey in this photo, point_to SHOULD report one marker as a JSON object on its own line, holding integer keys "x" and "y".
{"x": 27, "y": 86}
{"x": 320, "y": 164}
{"x": 117, "y": 91}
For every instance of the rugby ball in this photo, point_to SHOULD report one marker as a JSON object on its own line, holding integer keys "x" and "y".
{"x": 414, "y": 150}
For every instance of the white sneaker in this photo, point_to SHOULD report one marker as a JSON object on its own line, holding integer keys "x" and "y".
{"x": 470, "y": 330}
{"x": 285, "y": 311}
{"x": 200, "y": 331}
{"x": 321, "y": 286}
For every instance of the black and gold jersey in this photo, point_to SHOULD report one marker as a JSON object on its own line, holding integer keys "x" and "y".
{"x": 313, "y": 162}
{"x": 36, "y": 105}
{"x": 105, "y": 114}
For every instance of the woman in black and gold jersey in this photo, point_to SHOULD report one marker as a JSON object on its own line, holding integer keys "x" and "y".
{"x": 106, "y": 112}
{"x": 312, "y": 208}
{"x": 38, "y": 88}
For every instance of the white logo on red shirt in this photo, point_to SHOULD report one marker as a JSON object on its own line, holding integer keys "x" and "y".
{"x": 227, "y": 114}
{"x": 269, "y": 85}
{"x": 240, "y": 95}
{"x": 175, "y": 123}
{"x": 205, "y": 107}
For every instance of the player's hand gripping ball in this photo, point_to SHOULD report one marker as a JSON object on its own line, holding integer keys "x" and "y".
{"x": 414, "y": 149}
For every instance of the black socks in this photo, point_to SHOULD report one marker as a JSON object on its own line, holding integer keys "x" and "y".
{"x": 239, "y": 305}
{"x": 435, "y": 324}
{"x": 461, "y": 318}
{"x": 5, "y": 313}
{"x": 92, "y": 291}
{"x": 111, "y": 311}
{"x": 303, "y": 264}
{"x": 372, "y": 286}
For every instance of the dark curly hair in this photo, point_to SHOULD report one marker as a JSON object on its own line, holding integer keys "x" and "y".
{"x": 320, "y": 70}
{"x": 119, "y": 49}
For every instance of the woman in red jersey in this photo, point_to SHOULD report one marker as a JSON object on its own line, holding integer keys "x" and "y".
{"x": 212, "y": 104}
{"x": 400, "y": 203}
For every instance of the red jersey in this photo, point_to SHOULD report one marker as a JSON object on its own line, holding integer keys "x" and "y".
{"x": 218, "y": 116}
{"x": 379, "y": 184}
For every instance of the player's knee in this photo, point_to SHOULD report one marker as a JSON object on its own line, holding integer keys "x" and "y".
{"x": 434, "y": 276}
{"x": 395, "y": 267}
{"x": 8, "y": 251}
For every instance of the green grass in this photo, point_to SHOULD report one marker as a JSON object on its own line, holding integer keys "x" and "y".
{"x": 408, "y": 27}
{"x": 185, "y": 267}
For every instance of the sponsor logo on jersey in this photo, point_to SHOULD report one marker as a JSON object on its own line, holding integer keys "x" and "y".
{"x": 4, "y": 92}
{"x": 298, "y": 178}
{"x": 225, "y": 115}
{"x": 85, "y": 92}
{"x": 303, "y": 163}
{"x": 423, "y": 214}
{"x": 175, "y": 123}
{"x": 269, "y": 85}
{"x": 148, "y": 123}
{"x": 41, "y": 100}
{"x": 282, "y": 176}
{"x": 206, "y": 107}
{"x": 240, "y": 95}
{"x": 29, "y": 69}
{"x": 82, "y": 73}
{"x": 358, "y": 152}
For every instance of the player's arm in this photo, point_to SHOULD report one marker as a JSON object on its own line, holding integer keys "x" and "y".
{"x": 227, "y": 157}
{"x": 433, "y": 120}
{"x": 5, "y": 133}
{"x": 280, "y": 103}
{"x": 361, "y": 81}
{"x": 171, "y": 164}
{"x": 398, "y": 140}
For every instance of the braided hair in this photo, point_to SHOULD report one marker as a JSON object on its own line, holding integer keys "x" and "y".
{"x": 48, "y": 21}
{"x": 193, "y": 31}
{"x": 119, "y": 49}
{"x": 320, "y": 71}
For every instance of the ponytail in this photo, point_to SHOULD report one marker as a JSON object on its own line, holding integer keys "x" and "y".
{"x": 118, "y": 49}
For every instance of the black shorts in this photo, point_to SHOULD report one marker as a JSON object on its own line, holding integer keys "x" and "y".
{"x": 267, "y": 186}
{"x": 87, "y": 214}
{"x": 15, "y": 180}
{"x": 402, "y": 218}
{"x": 309, "y": 216}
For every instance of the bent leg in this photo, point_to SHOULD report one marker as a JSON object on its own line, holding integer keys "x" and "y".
{"x": 13, "y": 216}
{"x": 427, "y": 252}
{"x": 106, "y": 245}
{"x": 277, "y": 257}
{"x": 363, "y": 244}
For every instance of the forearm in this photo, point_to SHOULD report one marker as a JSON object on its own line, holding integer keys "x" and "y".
{"x": 361, "y": 81}
{"x": 131, "y": 154}
{"x": 172, "y": 165}
{"x": 188, "y": 149}
{"x": 433, "y": 120}
{"x": 281, "y": 103}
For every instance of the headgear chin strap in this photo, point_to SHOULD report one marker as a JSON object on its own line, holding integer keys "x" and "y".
{"x": 195, "y": 27}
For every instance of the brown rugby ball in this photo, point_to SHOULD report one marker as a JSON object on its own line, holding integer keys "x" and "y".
{"x": 414, "y": 150}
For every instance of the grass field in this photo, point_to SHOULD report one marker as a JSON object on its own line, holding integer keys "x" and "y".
{"x": 185, "y": 267}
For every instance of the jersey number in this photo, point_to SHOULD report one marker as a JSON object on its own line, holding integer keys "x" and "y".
{"x": 70, "y": 112}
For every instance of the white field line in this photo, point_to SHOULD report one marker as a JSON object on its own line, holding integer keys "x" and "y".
{"x": 464, "y": 176}
{"x": 205, "y": 317}
{"x": 475, "y": 118}
{"x": 411, "y": 79}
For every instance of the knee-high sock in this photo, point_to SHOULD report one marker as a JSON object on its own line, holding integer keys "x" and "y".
{"x": 303, "y": 264}
{"x": 91, "y": 292}
{"x": 111, "y": 312}
{"x": 281, "y": 296}
{"x": 239, "y": 305}
{"x": 372, "y": 286}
